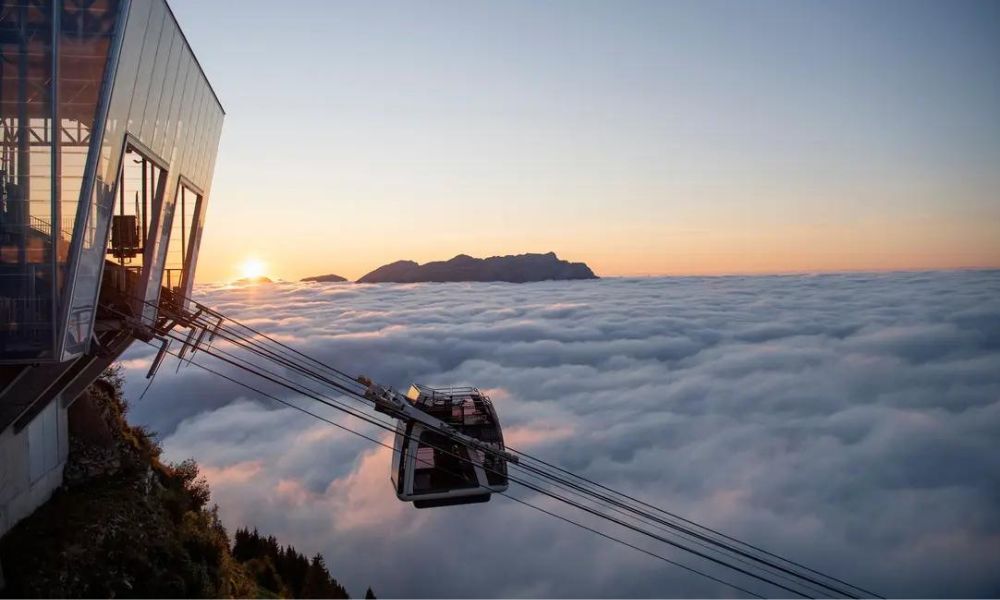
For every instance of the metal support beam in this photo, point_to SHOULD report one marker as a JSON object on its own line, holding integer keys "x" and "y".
{"x": 56, "y": 232}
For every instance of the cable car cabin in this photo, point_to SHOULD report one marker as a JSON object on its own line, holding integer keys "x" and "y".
{"x": 430, "y": 469}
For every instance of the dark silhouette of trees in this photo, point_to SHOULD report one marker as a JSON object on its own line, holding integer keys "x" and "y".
{"x": 283, "y": 570}
{"x": 319, "y": 583}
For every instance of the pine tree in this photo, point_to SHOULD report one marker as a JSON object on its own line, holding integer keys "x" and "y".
{"x": 282, "y": 569}
{"x": 293, "y": 567}
{"x": 369, "y": 595}
{"x": 319, "y": 584}
{"x": 242, "y": 545}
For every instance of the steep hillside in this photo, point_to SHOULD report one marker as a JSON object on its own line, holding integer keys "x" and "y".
{"x": 125, "y": 524}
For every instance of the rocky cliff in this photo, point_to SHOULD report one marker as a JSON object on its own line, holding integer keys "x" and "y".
{"x": 331, "y": 278}
{"x": 520, "y": 268}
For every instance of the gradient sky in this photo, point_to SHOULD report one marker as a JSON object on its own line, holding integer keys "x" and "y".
{"x": 640, "y": 137}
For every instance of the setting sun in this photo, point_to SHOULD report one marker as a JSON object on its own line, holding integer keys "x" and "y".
{"x": 252, "y": 268}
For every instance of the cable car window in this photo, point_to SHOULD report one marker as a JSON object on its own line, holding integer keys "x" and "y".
{"x": 441, "y": 466}
{"x": 398, "y": 475}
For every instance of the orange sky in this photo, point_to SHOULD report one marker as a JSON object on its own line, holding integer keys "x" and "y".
{"x": 624, "y": 250}
{"x": 732, "y": 225}
{"x": 666, "y": 139}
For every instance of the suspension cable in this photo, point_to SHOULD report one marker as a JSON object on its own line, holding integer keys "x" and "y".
{"x": 296, "y": 388}
{"x": 570, "y": 487}
{"x": 581, "y": 492}
{"x": 535, "y": 472}
{"x": 607, "y": 489}
{"x": 505, "y": 494}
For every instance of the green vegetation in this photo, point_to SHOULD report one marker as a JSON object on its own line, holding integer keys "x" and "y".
{"x": 126, "y": 524}
{"x": 282, "y": 570}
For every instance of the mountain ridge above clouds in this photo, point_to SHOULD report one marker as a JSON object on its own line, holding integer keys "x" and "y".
{"x": 330, "y": 278}
{"x": 518, "y": 268}
{"x": 258, "y": 280}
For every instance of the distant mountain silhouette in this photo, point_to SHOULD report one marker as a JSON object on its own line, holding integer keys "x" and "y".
{"x": 252, "y": 280}
{"x": 521, "y": 268}
{"x": 331, "y": 278}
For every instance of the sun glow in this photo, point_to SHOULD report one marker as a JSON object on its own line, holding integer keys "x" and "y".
{"x": 252, "y": 268}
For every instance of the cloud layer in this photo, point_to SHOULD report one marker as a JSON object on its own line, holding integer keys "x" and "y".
{"x": 851, "y": 422}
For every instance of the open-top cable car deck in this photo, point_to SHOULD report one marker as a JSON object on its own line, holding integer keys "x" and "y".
{"x": 431, "y": 470}
{"x": 448, "y": 444}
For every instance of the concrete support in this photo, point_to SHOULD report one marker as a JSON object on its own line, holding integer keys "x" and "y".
{"x": 31, "y": 463}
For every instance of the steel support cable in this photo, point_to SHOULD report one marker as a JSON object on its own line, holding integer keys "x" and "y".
{"x": 719, "y": 546}
{"x": 284, "y": 346}
{"x": 567, "y": 487}
{"x": 601, "y": 500}
{"x": 692, "y": 537}
{"x": 251, "y": 345}
{"x": 261, "y": 350}
{"x": 765, "y": 564}
{"x": 812, "y": 582}
{"x": 864, "y": 592}
{"x": 520, "y": 501}
{"x": 521, "y": 482}
{"x": 770, "y": 567}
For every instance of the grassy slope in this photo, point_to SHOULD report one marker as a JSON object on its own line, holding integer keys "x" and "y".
{"x": 127, "y": 525}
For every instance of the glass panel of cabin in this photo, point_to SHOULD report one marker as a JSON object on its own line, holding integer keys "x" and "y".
{"x": 441, "y": 465}
{"x": 141, "y": 181}
{"x": 27, "y": 259}
{"x": 179, "y": 247}
{"x": 93, "y": 219}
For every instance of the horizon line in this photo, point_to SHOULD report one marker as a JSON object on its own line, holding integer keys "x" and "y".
{"x": 886, "y": 271}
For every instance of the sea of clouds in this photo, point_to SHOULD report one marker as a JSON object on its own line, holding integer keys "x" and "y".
{"x": 849, "y": 421}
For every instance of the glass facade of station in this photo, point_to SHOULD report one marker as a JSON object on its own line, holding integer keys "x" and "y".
{"x": 108, "y": 136}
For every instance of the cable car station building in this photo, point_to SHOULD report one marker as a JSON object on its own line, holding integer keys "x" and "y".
{"x": 108, "y": 136}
